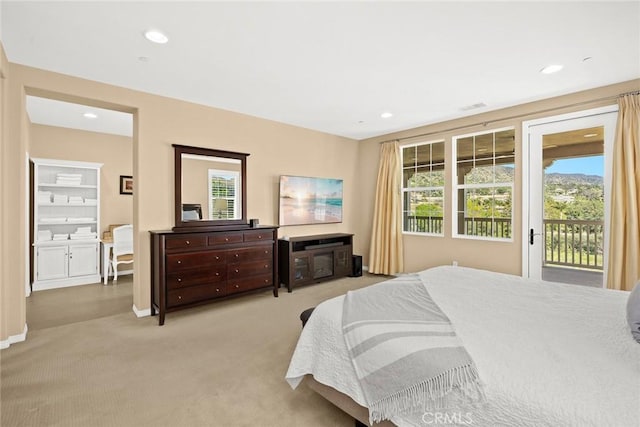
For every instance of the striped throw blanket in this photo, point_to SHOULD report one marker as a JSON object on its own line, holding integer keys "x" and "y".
{"x": 405, "y": 351}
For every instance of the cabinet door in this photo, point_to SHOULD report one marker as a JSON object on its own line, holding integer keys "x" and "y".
{"x": 302, "y": 268}
{"x": 83, "y": 259}
{"x": 51, "y": 262}
{"x": 342, "y": 259}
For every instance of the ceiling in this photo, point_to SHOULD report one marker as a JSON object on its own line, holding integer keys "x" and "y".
{"x": 334, "y": 66}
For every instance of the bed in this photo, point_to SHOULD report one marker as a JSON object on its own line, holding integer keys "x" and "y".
{"x": 547, "y": 353}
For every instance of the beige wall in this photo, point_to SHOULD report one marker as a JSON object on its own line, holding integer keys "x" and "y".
{"x": 113, "y": 151}
{"x": 422, "y": 252}
{"x": 274, "y": 149}
{"x": 4, "y": 334}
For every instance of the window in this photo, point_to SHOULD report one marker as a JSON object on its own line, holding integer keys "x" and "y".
{"x": 223, "y": 187}
{"x": 423, "y": 188}
{"x": 483, "y": 184}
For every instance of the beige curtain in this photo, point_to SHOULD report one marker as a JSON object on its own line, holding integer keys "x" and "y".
{"x": 385, "y": 255}
{"x": 624, "y": 244}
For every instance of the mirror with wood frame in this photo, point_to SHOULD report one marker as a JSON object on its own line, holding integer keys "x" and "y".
{"x": 210, "y": 187}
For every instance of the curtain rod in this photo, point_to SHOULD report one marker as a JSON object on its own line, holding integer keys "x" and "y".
{"x": 517, "y": 116}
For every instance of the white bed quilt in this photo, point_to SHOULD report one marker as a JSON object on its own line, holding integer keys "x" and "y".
{"x": 549, "y": 354}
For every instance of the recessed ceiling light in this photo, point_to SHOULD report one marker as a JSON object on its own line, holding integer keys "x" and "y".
{"x": 386, "y": 115}
{"x": 553, "y": 68}
{"x": 590, "y": 135}
{"x": 587, "y": 58}
{"x": 143, "y": 58}
{"x": 156, "y": 36}
{"x": 90, "y": 115}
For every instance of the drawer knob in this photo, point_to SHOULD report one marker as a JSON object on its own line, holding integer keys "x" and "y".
{"x": 266, "y": 266}
{"x": 179, "y": 280}
{"x": 266, "y": 280}
{"x": 237, "y": 271}
{"x": 217, "y": 257}
{"x": 217, "y": 289}
{"x": 236, "y": 286}
{"x": 179, "y": 296}
{"x": 226, "y": 239}
{"x": 217, "y": 274}
{"x": 179, "y": 262}
{"x": 237, "y": 255}
{"x": 259, "y": 237}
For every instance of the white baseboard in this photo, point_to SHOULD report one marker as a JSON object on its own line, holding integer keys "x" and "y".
{"x": 14, "y": 338}
{"x": 141, "y": 313}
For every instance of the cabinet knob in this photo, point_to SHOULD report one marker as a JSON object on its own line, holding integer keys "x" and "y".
{"x": 217, "y": 289}
{"x": 266, "y": 280}
{"x": 188, "y": 242}
{"x": 217, "y": 274}
{"x": 237, "y": 271}
{"x": 237, "y": 255}
{"x": 259, "y": 237}
{"x": 236, "y": 286}
{"x": 226, "y": 239}
{"x": 179, "y": 262}
{"x": 179, "y": 296}
{"x": 217, "y": 257}
{"x": 179, "y": 280}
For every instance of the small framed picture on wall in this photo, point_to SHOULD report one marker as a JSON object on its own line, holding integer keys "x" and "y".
{"x": 126, "y": 184}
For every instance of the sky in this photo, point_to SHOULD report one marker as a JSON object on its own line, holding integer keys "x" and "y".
{"x": 593, "y": 165}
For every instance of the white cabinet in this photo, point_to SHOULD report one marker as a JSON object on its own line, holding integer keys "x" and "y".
{"x": 66, "y": 223}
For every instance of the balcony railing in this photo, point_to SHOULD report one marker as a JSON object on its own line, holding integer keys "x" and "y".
{"x": 484, "y": 227}
{"x": 574, "y": 243}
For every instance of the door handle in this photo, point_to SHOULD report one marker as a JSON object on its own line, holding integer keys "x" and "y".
{"x": 531, "y": 234}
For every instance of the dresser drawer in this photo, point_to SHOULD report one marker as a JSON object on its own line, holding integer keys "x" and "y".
{"x": 246, "y": 284}
{"x": 215, "y": 274}
{"x": 248, "y": 269}
{"x": 179, "y": 262}
{"x": 225, "y": 238}
{"x": 186, "y": 242}
{"x": 250, "y": 254}
{"x": 258, "y": 235}
{"x": 194, "y": 294}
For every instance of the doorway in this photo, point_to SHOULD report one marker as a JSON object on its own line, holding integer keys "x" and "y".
{"x": 74, "y": 132}
{"x": 566, "y": 198}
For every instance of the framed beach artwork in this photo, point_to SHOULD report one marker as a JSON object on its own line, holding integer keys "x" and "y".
{"x": 308, "y": 200}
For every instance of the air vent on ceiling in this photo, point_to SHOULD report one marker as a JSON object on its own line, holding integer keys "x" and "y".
{"x": 474, "y": 106}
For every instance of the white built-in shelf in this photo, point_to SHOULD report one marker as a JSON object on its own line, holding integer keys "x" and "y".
{"x": 44, "y": 184}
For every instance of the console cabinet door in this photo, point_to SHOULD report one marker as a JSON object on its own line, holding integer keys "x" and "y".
{"x": 83, "y": 259}
{"x": 302, "y": 268}
{"x": 342, "y": 260}
{"x": 52, "y": 262}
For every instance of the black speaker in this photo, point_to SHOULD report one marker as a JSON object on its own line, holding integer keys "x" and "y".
{"x": 356, "y": 266}
{"x": 253, "y": 223}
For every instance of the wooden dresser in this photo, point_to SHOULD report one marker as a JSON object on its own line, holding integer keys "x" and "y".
{"x": 191, "y": 268}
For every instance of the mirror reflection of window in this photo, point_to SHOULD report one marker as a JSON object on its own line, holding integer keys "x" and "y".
{"x": 223, "y": 190}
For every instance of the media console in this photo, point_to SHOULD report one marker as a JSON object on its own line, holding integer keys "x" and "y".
{"x": 313, "y": 259}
